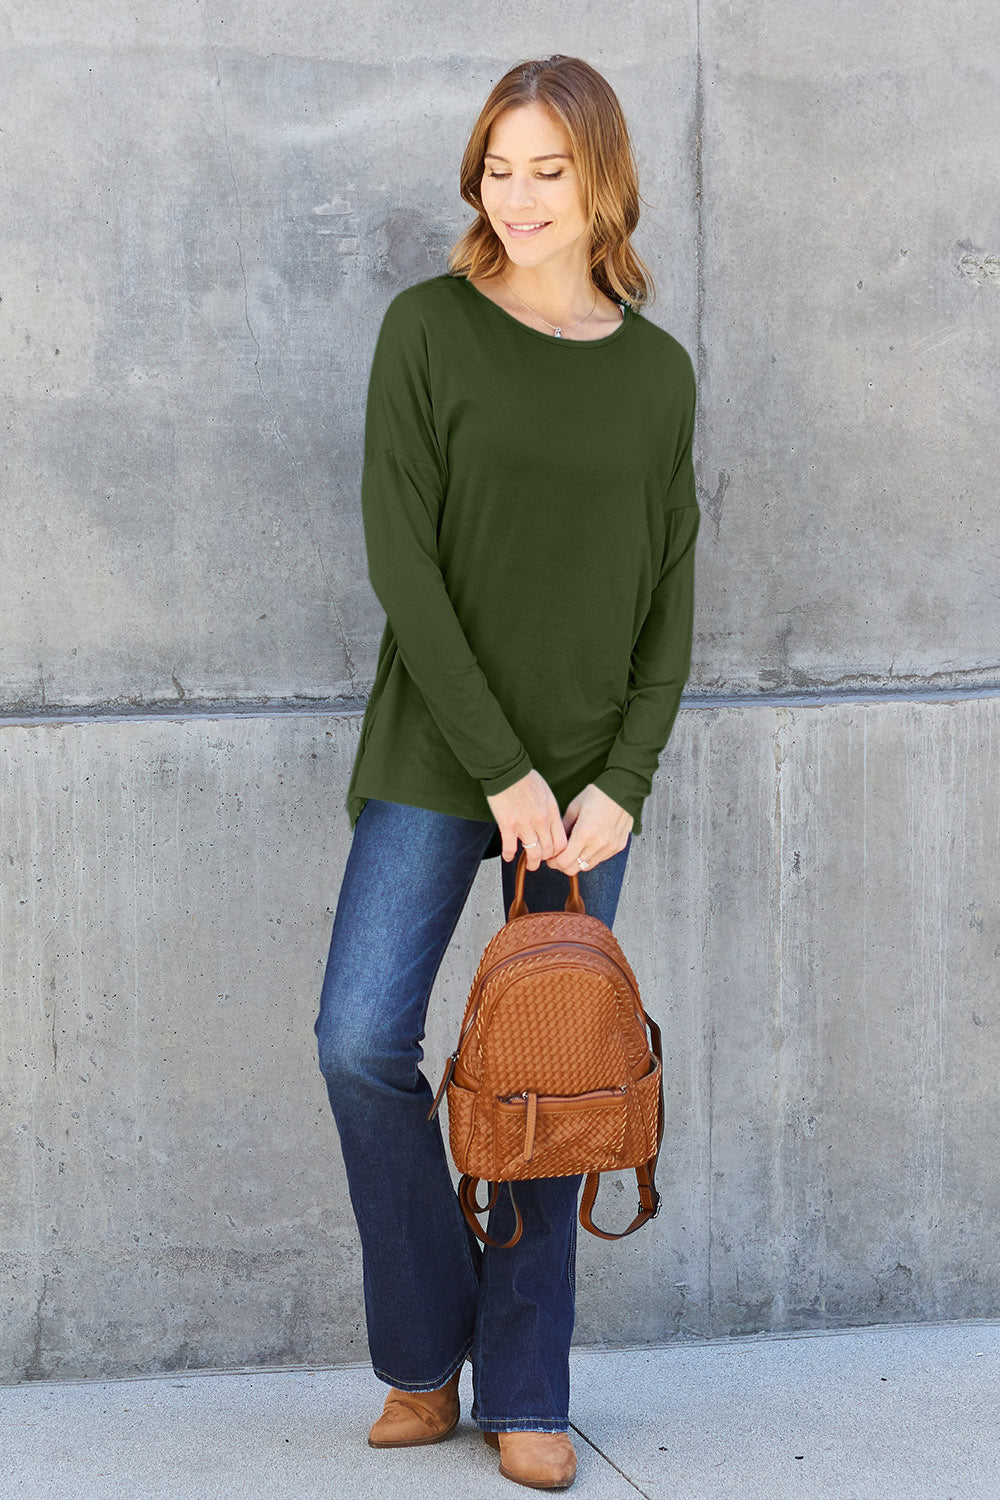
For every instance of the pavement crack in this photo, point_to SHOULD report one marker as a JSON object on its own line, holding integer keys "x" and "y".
{"x": 610, "y": 1461}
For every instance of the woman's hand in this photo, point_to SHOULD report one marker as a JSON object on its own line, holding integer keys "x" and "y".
{"x": 594, "y": 826}
{"x": 528, "y": 811}
{"x": 597, "y": 828}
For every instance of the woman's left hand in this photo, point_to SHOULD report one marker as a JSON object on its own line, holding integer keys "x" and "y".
{"x": 596, "y": 828}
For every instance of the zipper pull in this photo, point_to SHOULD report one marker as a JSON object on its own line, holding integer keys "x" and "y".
{"x": 529, "y": 1125}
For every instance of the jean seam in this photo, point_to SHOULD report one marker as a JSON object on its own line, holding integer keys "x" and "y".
{"x": 522, "y": 1424}
{"x": 421, "y": 1385}
{"x": 468, "y": 1251}
{"x": 571, "y": 1260}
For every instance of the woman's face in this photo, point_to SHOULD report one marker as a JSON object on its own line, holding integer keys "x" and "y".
{"x": 519, "y": 189}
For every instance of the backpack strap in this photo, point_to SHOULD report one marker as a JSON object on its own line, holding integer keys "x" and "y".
{"x": 449, "y": 1070}
{"x": 645, "y": 1176}
{"x": 649, "y": 1204}
{"x": 467, "y": 1189}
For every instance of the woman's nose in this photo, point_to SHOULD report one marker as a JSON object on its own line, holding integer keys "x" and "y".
{"x": 520, "y": 191}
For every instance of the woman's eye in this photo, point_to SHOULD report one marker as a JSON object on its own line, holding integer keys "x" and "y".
{"x": 548, "y": 176}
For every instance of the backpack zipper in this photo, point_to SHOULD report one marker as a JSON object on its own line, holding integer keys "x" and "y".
{"x": 512, "y": 958}
{"x": 543, "y": 947}
{"x": 533, "y": 1100}
{"x": 538, "y": 948}
{"x": 621, "y": 1088}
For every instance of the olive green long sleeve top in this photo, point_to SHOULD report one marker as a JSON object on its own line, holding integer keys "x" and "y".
{"x": 530, "y": 521}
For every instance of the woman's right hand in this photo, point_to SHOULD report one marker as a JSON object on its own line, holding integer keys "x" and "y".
{"x": 528, "y": 811}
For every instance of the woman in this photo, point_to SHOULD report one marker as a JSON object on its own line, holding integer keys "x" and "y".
{"x": 530, "y": 521}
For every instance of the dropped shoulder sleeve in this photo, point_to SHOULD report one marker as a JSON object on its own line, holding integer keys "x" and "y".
{"x": 402, "y": 490}
{"x": 661, "y": 657}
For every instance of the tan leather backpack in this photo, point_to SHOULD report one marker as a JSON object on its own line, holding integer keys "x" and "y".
{"x": 553, "y": 1074}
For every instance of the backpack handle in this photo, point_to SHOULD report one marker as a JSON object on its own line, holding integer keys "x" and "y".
{"x": 574, "y": 901}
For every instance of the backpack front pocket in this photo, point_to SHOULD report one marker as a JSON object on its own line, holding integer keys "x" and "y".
{"x": 558, "y": 1135}
{"x": 461, "y": 1124}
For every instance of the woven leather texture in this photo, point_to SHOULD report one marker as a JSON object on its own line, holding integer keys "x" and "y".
{"x": 554, "y": 1074}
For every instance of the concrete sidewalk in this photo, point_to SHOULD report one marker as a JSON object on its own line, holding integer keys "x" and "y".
{"x": 907, "y": 1411}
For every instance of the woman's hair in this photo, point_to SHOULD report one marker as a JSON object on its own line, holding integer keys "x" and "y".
{"x": 589, "y": 110}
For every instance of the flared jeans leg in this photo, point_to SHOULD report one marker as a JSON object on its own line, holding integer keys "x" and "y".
{"x": 408, "y": 874}
{"x": 432, "y": 1295}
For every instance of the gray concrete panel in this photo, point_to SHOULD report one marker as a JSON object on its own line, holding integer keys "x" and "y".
{"x": 849, "y": 267}
{"x": 202, "y": 231}
{"x": 205, "y": 215}
{"x": 814, "y": 919}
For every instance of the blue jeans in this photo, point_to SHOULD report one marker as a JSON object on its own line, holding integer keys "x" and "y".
{"x": 433, "y": 1295}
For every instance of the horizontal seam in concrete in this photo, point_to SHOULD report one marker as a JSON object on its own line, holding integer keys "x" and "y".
{"x": 670, "y": 1346}
{"x": 206, "y": 709}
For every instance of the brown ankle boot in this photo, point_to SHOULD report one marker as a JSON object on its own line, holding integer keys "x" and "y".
{"x": 410, "y": 1418}
{"x": 540, "y": 1460}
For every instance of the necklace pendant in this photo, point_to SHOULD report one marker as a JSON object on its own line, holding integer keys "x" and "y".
{"x": 558, "y": 333}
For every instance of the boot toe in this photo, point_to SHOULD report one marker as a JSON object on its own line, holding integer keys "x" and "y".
{"x": 539, "y": 1460}
{"x": 411, "y": 1418}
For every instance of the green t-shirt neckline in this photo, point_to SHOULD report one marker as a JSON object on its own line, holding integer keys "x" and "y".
{"x": 551, "y": 338}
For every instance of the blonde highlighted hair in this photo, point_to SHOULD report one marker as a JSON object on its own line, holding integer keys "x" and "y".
{"x": 588, "y": 108}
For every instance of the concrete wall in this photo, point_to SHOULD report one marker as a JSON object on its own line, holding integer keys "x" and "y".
{"x": 203, "y": 212}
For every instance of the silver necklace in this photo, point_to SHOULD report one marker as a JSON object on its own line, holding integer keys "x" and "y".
{"x": 556, "y": 328}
